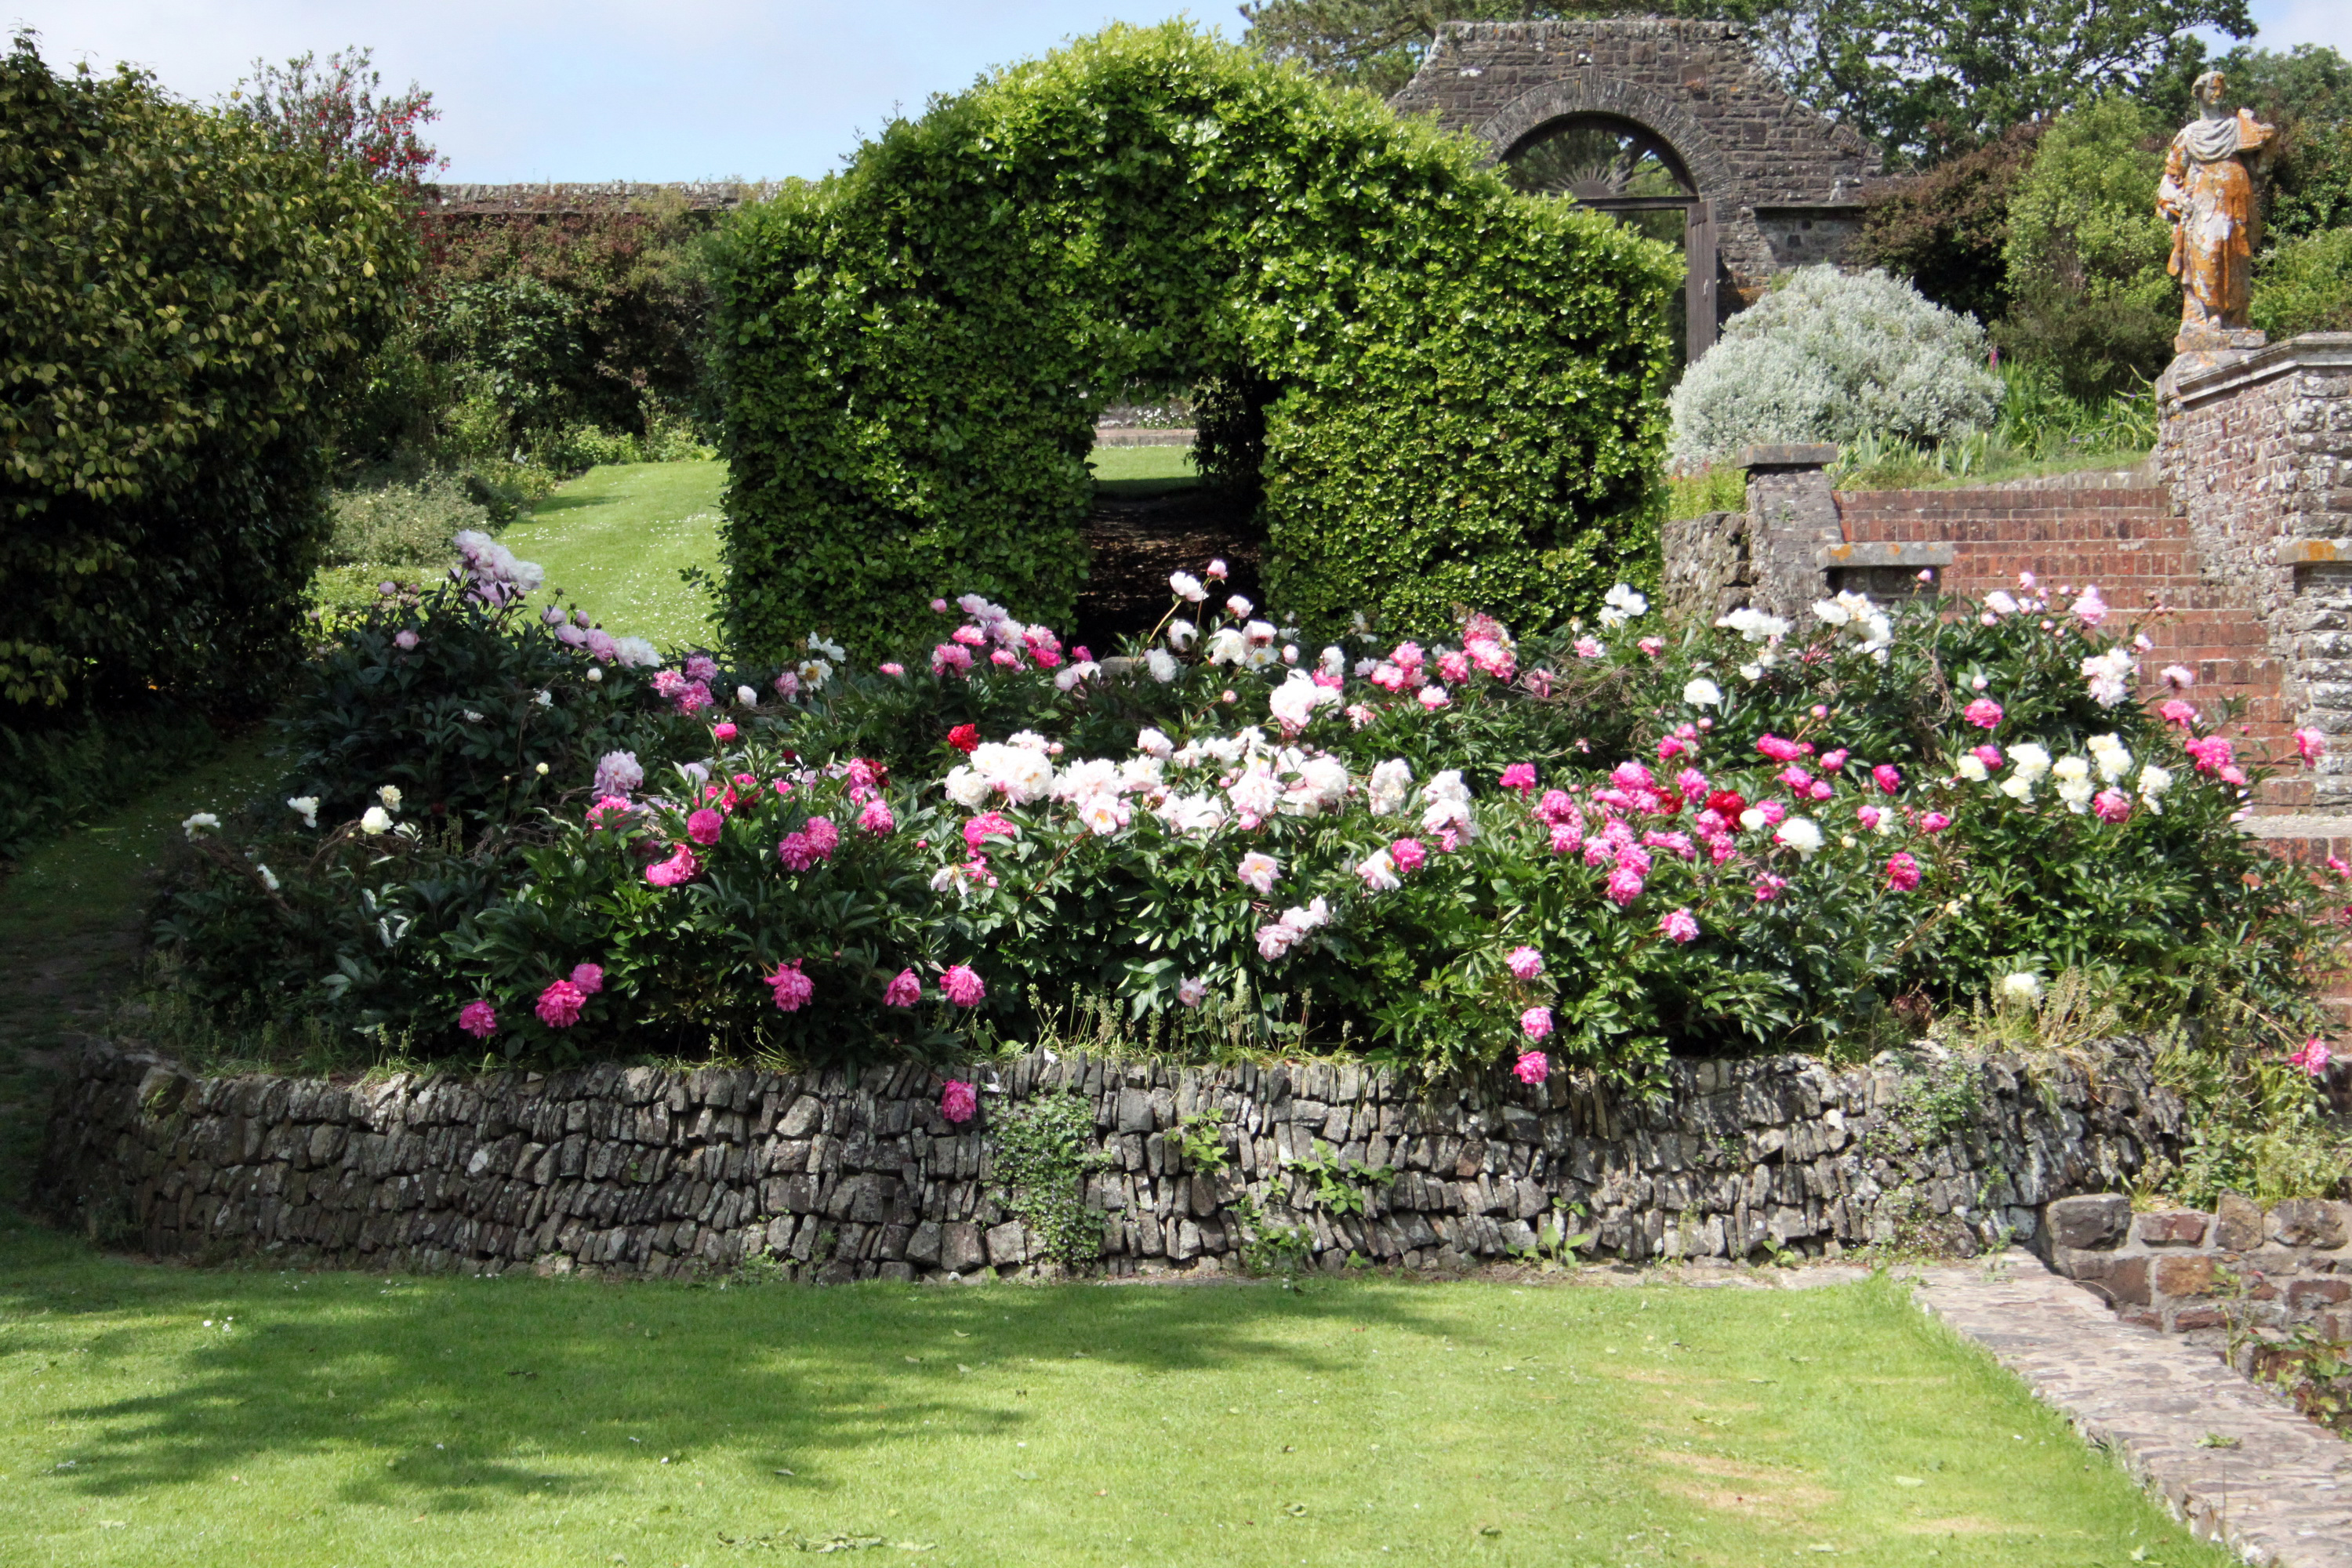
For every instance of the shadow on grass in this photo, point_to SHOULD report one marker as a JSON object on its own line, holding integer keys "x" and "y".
{"x": 478, "y": 1388}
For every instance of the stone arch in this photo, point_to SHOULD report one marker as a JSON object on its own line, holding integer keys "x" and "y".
{"x": 1528, "y": 115}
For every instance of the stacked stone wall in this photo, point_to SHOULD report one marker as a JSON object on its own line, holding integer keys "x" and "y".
{"x": 839, "y": 1176}
{"x": 2242, "y": 1266}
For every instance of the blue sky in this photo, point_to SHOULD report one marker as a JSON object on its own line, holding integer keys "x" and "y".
{"x": 603, "y": 90}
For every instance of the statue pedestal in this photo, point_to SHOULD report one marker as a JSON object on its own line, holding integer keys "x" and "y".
{"x": 2199, "y": 349}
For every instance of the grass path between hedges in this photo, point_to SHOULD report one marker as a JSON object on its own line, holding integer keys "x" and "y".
{"x": 615, "y": 541}
{"x": 155, "y": 1415}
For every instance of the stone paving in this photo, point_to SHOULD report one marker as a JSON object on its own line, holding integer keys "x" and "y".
{"x": 2228, "y": 1459}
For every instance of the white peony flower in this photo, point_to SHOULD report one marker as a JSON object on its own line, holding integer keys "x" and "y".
{"x": 204, "y": 822}
{"x": 1180, "y": 634}
{"x": 1391, "y": 786}
{"x": 1380, "y": 873}
{"x": 1702, "y": 692}
{"x": 1151, "y": 743}
{"x": 1162, "y": 665}
{"x": 377, "y": 820}
{"x": 2021, "y": 985}
{"x": 390, "y": 795}
{"x": 306, "y": 806}
{"x": 1187, "y": 587}
{"x": 1800, "y": 834}
{"x": 966, "y": 787}
{"x": 746, "y": 697}
{"x": 1971, "y": 767}
{"x": 636, "y": 653}
{"x": 1621, "y": 604}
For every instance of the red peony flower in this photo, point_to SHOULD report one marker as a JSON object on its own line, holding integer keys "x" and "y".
{"x": 965, "y": 738}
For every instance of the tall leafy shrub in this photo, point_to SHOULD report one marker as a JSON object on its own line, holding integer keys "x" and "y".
{"x": 179, "y": 301}
{"x": 1461, "y": 386}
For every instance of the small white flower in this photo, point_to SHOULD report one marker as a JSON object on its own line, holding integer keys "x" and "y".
{"x": 200, "y": 823}
{"x": 377, "y": 820}
{"x": 1161, "y": 664}
{"x": 1187, "y": 587}
{"x": 1751, "y": 819}
{"x": 472, "y": 717}
{"x": 1800, "y": 834}
{"x": 2021, "y": 985}
{"x": 1751, "y": 672}
{"x": 541, "y": 768}
{"x": 306, "y": 806}
{"x": 1621, "y": 604}
{"x": 595, "y": 674}
{"x": 832, "y": 650}
{"x": 1181, "y": 633}
{"x": 1971, "y": 767}
{"x": 1239, "y": 608}
{"x": 1829, "y": 612}
{"x": 746, "y": 697}
{"x": 1702, "y": 692}
{"x": 545, "y": 699}
{"x": 268, "y": 878}
{"x": 390, "y": 795}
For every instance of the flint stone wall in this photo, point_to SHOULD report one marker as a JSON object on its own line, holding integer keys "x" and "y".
{"x": 838, "y": 1176}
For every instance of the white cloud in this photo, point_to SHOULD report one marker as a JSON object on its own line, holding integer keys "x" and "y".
{"x": 600, "y": 90}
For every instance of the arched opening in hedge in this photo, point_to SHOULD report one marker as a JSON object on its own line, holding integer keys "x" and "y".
{"x": 1448, "y": 393}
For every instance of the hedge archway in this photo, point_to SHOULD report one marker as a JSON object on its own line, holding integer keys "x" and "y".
{"x": 1460, "y": 386}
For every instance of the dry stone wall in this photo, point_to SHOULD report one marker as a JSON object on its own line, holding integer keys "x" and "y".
{"x": 839, "y": 1176}
{"x": 2242, "y": 1266}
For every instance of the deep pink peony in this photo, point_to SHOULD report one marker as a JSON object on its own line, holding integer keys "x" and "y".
{"x": 1520, "y": 776}
{"x": 1888, "y": 777}
{"x": 1902, "y": 872}
{"x": 559, "y": 1004}
{"x": 2314, "y": 1057}
{"x": 588, "y": 978}
{"x": 2111, "y": 806}
{"x": 1933, "y": 822}
{"x": 681, "y": 866}
{"x": 957, "y": 1101}
{"x": 2311, "y": 745}
{"x": 1984, "y": 713}
{"x": 822, "y": 836}
{"x": 1779, "y": 750}
{"x": 610, "y": 811}
{"x": 478, "y": 1020}
{"x": 1624, "y": 885}
{"x": 1988, "y": 756}
{"x": 704, "y": 826}
{"x": 796, "y": 852}
{"x": 1681, "y": 926}
{"x": 723, "y": 731}
{"x": 1524, "y": 962}
{"x": 2178, "y": 712}
{"x": 906, "y": 989}
{"x": 1408, "y": 855}
{"x": 792, "y": 988}
{"x": 986, "y": 825}
{"x": 876, "y": 817}
{"x": 1532, "y": 1068}
{"x": 962, "y": 986}
{"x": 1535, "y": 1022}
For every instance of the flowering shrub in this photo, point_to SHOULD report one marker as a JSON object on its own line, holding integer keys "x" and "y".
{"x": 1583, "y": 849}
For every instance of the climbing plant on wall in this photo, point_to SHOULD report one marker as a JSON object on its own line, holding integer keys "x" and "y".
{"x": 1460, "y": 386}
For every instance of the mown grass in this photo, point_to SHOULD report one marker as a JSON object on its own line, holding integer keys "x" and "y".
{"x": 616, "y": 540}
{"x": 163, "y": 1415}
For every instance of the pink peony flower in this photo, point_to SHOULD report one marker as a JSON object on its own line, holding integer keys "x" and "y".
{"x": 1870, "y": 816}
{"x": 1775, "y": 813}
{"x": 2091, "y": 609}
{"x": 702, "y": 666}
{"x": 791, "y": 987}
{"x": 876, "y": 817}
{"x": 1535, "y": 1022}
{"x": 906, "y": 989}
{"x": 1433, "y": 698}
{"x": 1409, "y": 854}
{"x": 1520, "y": 776}
{"x": 588, "y": 978}
{"x": 1589, "y": 647}
{"x": 1533, "y": 1066}
{"x": 705, "y": 825}
{"x": 958, "y": 1102}
{"x": 723, "y": 731}
{"x": 1988, "y": 756}
{"x": 478, "y": 1020}
{"x": 796, "y": 852}
{"x": 946, "y": 656}
{"x": 1259, "y": 871}
{"x": 2311, "y": 744}
{"x": 1933, "y": 822}
{"x": 1524, "y": 962}
{"x": 2176, "y": 712}
{"x": 2111, "y": 806}
{"x": 1984, "y": 713}
{"x": 986, "y": 825}
{"x": 404, "y": 640}
{"x": 2314, "y": 1057}
{"x": 681, "y": 866}
{"x": 1005, "y": 657}
{"x": 610, "y": 811}
{"x": 1681, "y": 925}
{"x": 1624, "y": 885}
{"x": 559, "y": 1004}
{"x": 1833, "y": 760}
{"x": 892, "y": 667}
{"x": 1653, "y": 647}
{"x": 1779, "y": 750}
{"x": 1888, "y": 777}
{"x": 1453, "y": 666}
{"x": 962, "y": 986}
{"x": 2212, "y": 753}
{"x": 822, "y": 836}
{"x": 1902, "y": 872}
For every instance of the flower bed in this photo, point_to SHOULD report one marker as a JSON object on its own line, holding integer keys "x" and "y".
{"x": 1586, "y": 849}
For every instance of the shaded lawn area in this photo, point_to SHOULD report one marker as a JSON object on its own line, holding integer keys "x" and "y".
{"x": 336, "y": 1418}
{"x": 615, "y": 541}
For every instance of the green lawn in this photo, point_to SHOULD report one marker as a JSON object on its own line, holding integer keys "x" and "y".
{"x": 157, "y": 1414}
{"x": 614, "y": 540}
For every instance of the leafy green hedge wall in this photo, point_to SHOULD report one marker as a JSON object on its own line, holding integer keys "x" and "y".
{"x": 177, "y": 301}
{"x": 1466, "y": 404}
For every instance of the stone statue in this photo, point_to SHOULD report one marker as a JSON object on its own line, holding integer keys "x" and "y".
{"x": 2208, "y": 194}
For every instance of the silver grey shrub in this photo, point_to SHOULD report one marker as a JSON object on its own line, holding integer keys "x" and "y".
{"x": 1834, "y": 356}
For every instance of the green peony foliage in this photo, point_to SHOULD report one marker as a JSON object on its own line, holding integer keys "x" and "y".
{"x": 179, "y": 302}
{"x": 1460, "y": 385}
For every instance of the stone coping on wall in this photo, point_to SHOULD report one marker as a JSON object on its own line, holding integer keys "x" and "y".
{"x": 2311, "y": 350}
{"x": 842, "y": 1175}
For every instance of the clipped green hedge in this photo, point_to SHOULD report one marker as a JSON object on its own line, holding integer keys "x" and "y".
{"x": 1465, "y": 383}
{"x": 178, "y": 302}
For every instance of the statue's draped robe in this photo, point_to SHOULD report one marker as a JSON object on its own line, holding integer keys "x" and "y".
{"x": 2208, "y": 194}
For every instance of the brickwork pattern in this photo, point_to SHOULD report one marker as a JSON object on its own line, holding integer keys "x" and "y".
{"x": 1784, "y": 181}
{"x": 636, "y": 1171}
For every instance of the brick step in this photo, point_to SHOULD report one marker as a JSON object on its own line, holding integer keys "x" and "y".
{"x": 2008, "y": 502}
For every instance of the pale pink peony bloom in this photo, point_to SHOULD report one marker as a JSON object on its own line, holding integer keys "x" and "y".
{"x": 1589, "y": 647}
{"x": 946, "y": 656}
{"x": 1984, "y": 713}
{"x": 478, "y": 1020}
{"x": 559, "y": 1004}
{"x": 1215, "y": 572}
{"x": 2111, "y": 806}
{"x": 681, "y": 866}
{"x": 1433, "y": 698}
{"x": 1006, "y": 657}
{"x": 2311, "y": 745}
{"x": 962, "y": 986}
{"x": 1902, "y": 872}
{"x": 2314, "y": 1057}
{"x": 404, "y": 640}
{"x": 705, "y": 825}
{"x": 2179, "y": 676}
{"x": 958, "y": 1102}
{"x": 1454, "y": 666}
{"x": 588, "y": 978}
{"x": 892, "y": 667}
{"x": 1525, "y": 962}
{"x": 906, "y": 989}
{"x": 1680, "y": 925}
{"x": 2091, "y": 609}
{"x": 1535, "y": 1022}
{"x": 1533, "y": 1066}
{"x": 1191, "y": 992}
{"x": 1259, "y": 871}
{"x": 790, "y": 988}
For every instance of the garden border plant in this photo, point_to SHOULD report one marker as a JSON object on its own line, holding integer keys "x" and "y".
{"x": 1457, "y": 387}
